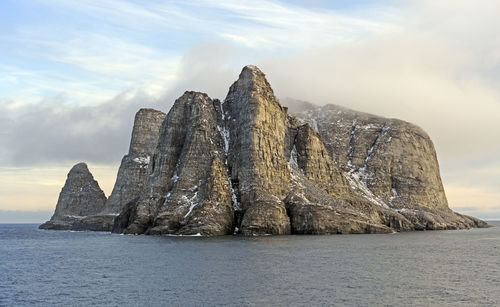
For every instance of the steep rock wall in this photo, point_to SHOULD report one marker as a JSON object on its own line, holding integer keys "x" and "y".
{"x": 388, "y": 160}
{"x": 257, "y": 156}
{"x": 188, "y": 190}
{"x": 135, "y": 167}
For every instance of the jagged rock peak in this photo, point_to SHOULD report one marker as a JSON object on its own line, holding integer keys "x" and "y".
{"x": 80, "y": 197}
{"x": 188, "y": 191}
{"x": 251, "y": 85}
{"x": 251, "y": 72}
{"x": 81, "y": 194}
{"x": 252, "y": 76}
{"x": 145, "y": 111}
{"x": 190, "y": 101}
{"x": 257, "y": 155}
{"x": 79, "y": 168}
{"x": 192, "y": 96}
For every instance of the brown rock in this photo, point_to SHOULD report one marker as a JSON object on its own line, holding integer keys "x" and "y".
{"x": 258, "y": 155}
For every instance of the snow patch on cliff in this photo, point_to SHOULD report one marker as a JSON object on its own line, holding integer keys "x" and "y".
{"x": 142, "y": 161}
{"x": 292, "y": 163}
{"x": 192, "y": 203}
{"x": 357, "y": 183}
{"x": 225, "y": 134}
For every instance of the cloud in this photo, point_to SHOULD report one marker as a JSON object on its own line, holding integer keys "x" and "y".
{"x": 430, "y": 69}
{"x": 109, "y": 56}
{"x": 267, "y": 25}
{"x": 54, "y": 131}
{"x": 124, "y": 13}
{"x": 88, "y": 66}
{"x": 114, "y": 45}
{"x": 210, "y": 68}
{"x": 57, "y": 131}
{"x": 257, "y": 23}
{"x": 438, "y": 71}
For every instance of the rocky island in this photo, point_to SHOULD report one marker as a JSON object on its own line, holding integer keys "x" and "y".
{"x": 251, "y": 166}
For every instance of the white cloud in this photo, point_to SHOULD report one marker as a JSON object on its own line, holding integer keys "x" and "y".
{"x": 267, "y": 25}
{"x": 108, "y": 63}
{"x": 136, "y": 45}
{"x": 125, "y": 13}
{"x": 430, "y": 75}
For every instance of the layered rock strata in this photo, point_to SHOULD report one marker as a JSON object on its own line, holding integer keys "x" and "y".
{"x": 247, "y": 166}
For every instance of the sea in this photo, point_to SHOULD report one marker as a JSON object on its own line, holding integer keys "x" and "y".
{"x": 430, "y": 268}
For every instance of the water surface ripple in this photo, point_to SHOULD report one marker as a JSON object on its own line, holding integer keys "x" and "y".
{"x": 62, "y": 268}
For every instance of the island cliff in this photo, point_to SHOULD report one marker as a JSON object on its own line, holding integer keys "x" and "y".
{"x": 247, "y": 165}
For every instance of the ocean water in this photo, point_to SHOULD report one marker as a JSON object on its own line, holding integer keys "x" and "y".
{"x": 62, "y": 268}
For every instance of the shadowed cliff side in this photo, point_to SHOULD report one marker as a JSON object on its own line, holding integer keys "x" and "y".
{"x": 188, "y": 190}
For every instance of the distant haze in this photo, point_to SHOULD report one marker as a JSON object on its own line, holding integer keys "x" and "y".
{"x": 23, "y": 217}
{"x": 73, "y": 74}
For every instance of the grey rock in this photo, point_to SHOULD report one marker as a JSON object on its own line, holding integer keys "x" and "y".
{"x": 136, "y": 166}
{"x": 389, "y": 161}
{"x": 188, "y": 190}
{"x": 80, "y": 198}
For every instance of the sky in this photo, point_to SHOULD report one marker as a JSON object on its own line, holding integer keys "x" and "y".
{"x": 73, "y": 74}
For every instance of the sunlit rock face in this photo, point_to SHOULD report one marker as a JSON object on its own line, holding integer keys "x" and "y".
{"x": 258, "y": 153}
{"x": 250, "y": 166}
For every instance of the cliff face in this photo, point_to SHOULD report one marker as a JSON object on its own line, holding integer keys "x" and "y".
{"x": 247, "y": 166}
{"x": 188, "y": 191}
{"x": 257, "y": 128}
{"x": 136, "y": 166}
{"x": 388, "y": 160}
